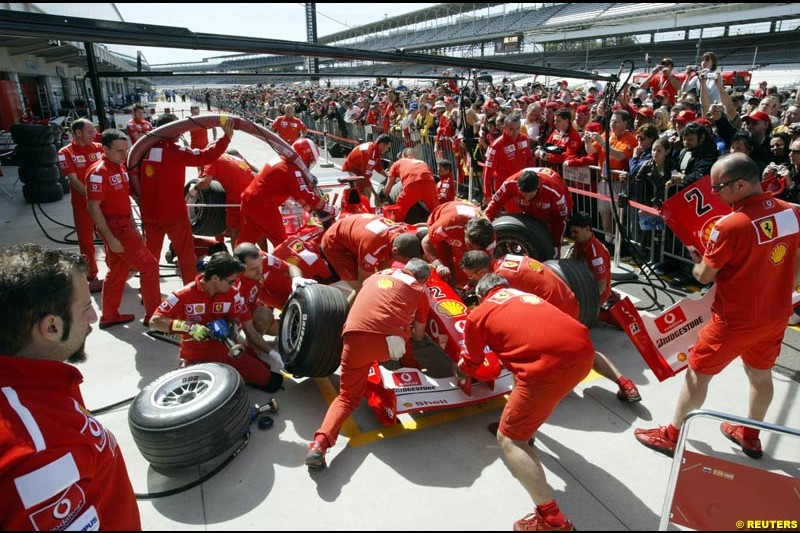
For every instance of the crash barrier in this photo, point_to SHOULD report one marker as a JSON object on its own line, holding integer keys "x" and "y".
{"x": 707, "y": 493}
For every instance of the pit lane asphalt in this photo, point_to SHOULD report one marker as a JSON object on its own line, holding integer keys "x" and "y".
{"x": 436, "y": 471}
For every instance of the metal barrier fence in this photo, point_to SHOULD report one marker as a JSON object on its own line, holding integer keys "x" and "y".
{"x": 642, "y": 225}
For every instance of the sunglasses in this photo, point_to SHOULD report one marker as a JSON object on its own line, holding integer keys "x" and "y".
{"x": 717, "y": 187}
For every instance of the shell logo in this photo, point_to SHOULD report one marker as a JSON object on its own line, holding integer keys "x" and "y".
{"x": 535, "y": 265}
{"x": 682, "y": 357}
{"x": 385, "y": 283}
{"x": 149, "y": 171}
{"x": 292, "y": 261}
{"x": 705, "y": 233}
{"x": 778, "y": 254}
{"x": 451, "y": 308}
{"x": 407, "y": 404}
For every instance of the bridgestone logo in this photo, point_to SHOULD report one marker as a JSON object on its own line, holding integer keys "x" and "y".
{"x": 422, "y": 388}
{"x": 678, "y": 332}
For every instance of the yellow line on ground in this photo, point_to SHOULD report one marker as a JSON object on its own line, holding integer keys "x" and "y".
{"x": 358, "y": 438}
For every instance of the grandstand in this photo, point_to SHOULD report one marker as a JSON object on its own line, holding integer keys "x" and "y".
{"x": 561, "y": 35}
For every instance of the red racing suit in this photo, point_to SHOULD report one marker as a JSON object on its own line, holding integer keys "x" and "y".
{"x": 109, "y": 185}
{"x": 446, "y": 188}
{"x": 194, "y": 305}
{"x": 289, "y": 129}
{"x": 137, "y": 128}
{"x": 503, "y": 158}
{"x": 262, "y": 199}
{"x": 76, "y": 159}
{"x": 551, "y": 205}
{"x": 526, "y": 274}
{"x": 418, "y": 185}
{"x": 596, "y": 256}
{"x": 363, "y": 241}
{"x": 548, "y": 356}
{"x": 303, "y": 251}
{"x": 387, "y": 304}
{"x": 446, "y": 234}
{"x": 272, "y": 289}
{"x": 162, "y": 200}
{"x": 363, "y": 160}
{"x": 60, "y": 469}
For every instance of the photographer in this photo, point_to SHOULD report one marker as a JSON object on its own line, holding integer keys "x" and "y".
{"x": 706, "y": 73}
{"x": 564, "y": 143}
{"x": 661, "y": 79}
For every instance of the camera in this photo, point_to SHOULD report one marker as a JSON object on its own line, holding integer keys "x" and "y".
{"x": 691, "y": 68}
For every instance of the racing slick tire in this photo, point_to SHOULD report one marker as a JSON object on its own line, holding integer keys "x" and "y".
{"x": 310, "y": 338}
{"x": 37, "y": 155}
{"x": 577, "y": 275}
{"x": 190, "y": 416}
{"x": 206, "y": 221}
{"x": 522, "y": 235}
{"x": 42, "y": 193}
{"x": 33, "y": 134}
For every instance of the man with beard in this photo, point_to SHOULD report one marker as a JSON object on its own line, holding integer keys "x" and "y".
{"x": 47, "y": 454}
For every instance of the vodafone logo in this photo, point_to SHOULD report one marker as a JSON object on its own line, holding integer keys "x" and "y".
{"x": 670, "y": 320}
{"x": 406, "y": 379}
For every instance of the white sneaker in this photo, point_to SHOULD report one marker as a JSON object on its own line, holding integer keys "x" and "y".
{"x": 794, "y": 320}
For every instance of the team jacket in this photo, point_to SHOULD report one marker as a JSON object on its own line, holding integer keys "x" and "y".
{"x": 596, "y": 256}
{"x": 60, "y": 469}
{"x": 529, "y": 275}
{"x": 109, "y": 184}
{"x": 368, "y": 237}
{"x": 503, "y": 158}
{"x": 288, "y": 129}
{"x": 76, "y": 159}
{"x": 276, "y": 182}
{"x": 273, "y": 288}
{"x": 363, "y": 160}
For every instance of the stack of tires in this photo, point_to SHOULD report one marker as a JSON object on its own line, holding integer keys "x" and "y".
{"x": 37, "y": 155}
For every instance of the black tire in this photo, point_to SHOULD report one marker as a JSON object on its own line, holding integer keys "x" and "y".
{"x": 577, "y": 275}
{"x": 206, "y": 221}
{"x": 42, "y": 193}
{"x": 32, "y": 134}
{"x": 37, "y": 155}
{"x": 42, "y": 175}
{"x": 310, "y": 338}
{"x": 190, "y": 416}
{"x": 520, "y": 234}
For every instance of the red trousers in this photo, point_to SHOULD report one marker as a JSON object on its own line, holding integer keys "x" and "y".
{"x": 180, "y": 234}
{"x": 253, "y": 370}
{"x": 84, "y": 230}
{"x": 134, "y": 256}
{"x": 261, "y": 221}
{"x": 419, "y": 191}
{"x": 360, "y": 350}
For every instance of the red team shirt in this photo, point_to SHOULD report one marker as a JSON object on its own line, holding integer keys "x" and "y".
{"x": 138, "y": 126}
{"x": 363, "y": 160}
{"x": 388, "y": 303}
{"x": 411, "y": 171}
{"x": 163, "y": 175}
{"x": 288, "y": 129}
{"x": 277, "y": 181}
{"x": 503, "y": 158}
{"x": 60, "y": 469}
{"x": 76, "y": 159}
{"x": 360, "y": 240}
{"x": 570, "y": 142}
{"x": 194, "y": 305}
{"x": 446, "y": 188}
{"x": 109, "y": 184}
{"x": 596, "y": 256}
{"x": 272, "y": 289}
{"x": 529, "y": 275}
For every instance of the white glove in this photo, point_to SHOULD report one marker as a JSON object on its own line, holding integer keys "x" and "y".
{"x": 298, "y": 282}
{"x": 397, "y": 347}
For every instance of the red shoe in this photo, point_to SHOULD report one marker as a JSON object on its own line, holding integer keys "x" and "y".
{"x": 627, "y": 391}
{"x": 657, "y": 439}
{"x": 534, "y": 522}
{"x": 734, "y": 433}
{"x": 119, "y": 319}
{"x": 95, "y": 285}
{"x": 315, "y": 458}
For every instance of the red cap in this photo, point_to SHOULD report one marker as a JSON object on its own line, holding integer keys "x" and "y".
{"x": 704, "y": 121}
{"x": 449, "y": 100}
{"x": 491, "y": 102}
{"x": 590, "y": 99}
{"x": 563, "y": 82}
{"x": 583, "y": 110}
{"x": 594, "y": 127}
{"x": 332, "y": 103}
{"x": 645, "y": 112}
{"x": 663, "y": 94}
{"x": 554, "y": 105}
{"x": 758, "y": 115}
{"x": 685, "y": 116}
